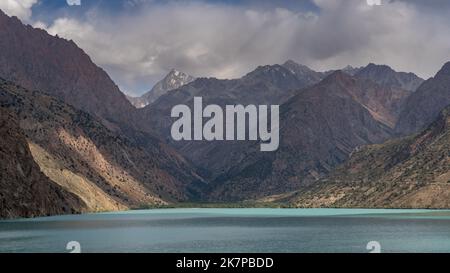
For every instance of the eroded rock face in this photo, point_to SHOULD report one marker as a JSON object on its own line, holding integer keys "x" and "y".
{"x": 25, "y": 190}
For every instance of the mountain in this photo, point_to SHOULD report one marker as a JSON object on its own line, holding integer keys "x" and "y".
{"x": 319, "y": 128}
{"x": 106, "y": 170}
{"x": 383, "y": 102}
{"x": 424, "y": 105}
{"x": 270, "y": 84}
{"x": 386, "y": 76}
{"x": 38, "y": 61}
{"x": 413, "y": 172}
{"x": 352, "y": 71}
{"x": 84, "y": 134}
{"x": 175, "y": 79}
{"x": 25, "y": 190}
{"x": 303, "y": 73}
{"x": 393, "y": 90}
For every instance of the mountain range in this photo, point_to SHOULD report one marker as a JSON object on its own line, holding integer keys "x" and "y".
{"x": 270, "y": 84}
{"x": 356, "y": 137}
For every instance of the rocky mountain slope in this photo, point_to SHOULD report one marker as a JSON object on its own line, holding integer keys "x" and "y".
{"x": 385, "y": 99}
{"x": 413, "y": 172}
{"x": 383, "y": 102}
{"x": 387, "y": 96}
{"x": 424, "y": 105}
{"x": 25, "y": 190}
{"x": 175, "y": 79}
{"x": 106, "y": 170}
{"x": 320, "y": 127}
{"x": 38, "y": 61}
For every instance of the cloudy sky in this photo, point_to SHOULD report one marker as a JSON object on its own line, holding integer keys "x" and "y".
{"x": 139, "y": 41}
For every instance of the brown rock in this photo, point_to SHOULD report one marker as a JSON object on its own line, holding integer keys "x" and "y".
{"x": 25, "y": 190}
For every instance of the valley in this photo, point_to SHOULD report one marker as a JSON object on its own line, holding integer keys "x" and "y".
{"x": 73, "y": 142}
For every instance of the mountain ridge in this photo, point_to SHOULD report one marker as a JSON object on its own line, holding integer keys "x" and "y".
{"x": 37, "y": 60}
{"x": 173, "y": 80}
{"x": 386, "y": 76}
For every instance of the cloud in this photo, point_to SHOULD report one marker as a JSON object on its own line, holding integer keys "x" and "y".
{"x": 227, "y": 41}
{"x": 19, "y": 8}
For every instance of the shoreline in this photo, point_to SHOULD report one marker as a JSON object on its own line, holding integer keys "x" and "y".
{"x": 209, "y": 206}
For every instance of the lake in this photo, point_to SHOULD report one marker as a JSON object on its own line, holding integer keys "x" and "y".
{"x": 233, "y": 230}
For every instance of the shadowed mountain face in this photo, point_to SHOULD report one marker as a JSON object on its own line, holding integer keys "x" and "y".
{"x": 424, "y": 105}
{"x": 386, "y": 98}
{"x": 387, "y": 77}
{"x": 104, "y": 169}
{"x": 383, "y": 102}
{"x": 38, "y": 61}
{"x": 25, "y": 190}
{"x": 385, "y": 90}
{"x": 175, "y": 79}
{"x": 320, "y": 127}
{"x": 413, "y": 172}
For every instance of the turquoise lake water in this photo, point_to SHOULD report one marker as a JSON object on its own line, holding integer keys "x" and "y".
{"x": 233, "y": 230}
